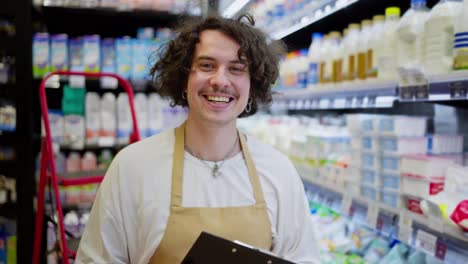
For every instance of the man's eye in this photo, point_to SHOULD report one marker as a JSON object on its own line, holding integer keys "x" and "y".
{"x": 238, "y": 69}
{"x": 206, "y": 66}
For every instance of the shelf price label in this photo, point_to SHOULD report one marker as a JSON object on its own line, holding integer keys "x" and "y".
{"x": 349, "y": 102}
{"x": 426, "y": 242}
{"x": 458, "y": 90}
{"x": 372, "y": 215}
{"x": 371, "y": 101}
{"x": 359, "y": 102}
{"x": 441, "y": 249}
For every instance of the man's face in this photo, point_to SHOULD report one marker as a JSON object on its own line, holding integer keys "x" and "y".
{"x": 219, "y": 82}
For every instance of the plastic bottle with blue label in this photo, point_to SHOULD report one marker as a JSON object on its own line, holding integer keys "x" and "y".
{"x": 460, "y": 47}
{"x": 438, "y": 37}
{"x": 302, "y": 66}
{"x": 314, "y": 60}
{"x": 410, "y": 35}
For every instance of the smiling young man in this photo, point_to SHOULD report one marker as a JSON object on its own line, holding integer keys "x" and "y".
{"x": 159, "y": 194}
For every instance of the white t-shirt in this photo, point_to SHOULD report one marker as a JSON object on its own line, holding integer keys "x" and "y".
{"x": 130, "y": 213}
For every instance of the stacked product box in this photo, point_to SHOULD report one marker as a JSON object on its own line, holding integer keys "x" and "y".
{"x": 379, "y": 143}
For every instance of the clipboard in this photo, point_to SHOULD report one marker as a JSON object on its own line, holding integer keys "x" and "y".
{"x": 211, "y": 249}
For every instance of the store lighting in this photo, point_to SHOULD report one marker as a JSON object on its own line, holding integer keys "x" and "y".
{"x": 235, "y": 7}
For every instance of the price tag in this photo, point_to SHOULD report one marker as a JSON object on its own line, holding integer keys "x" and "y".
{"x": 323, "y": 104}
{"x": 109, "y": 82}
{"x": 405, "y": 220}
{"x": 349, "y": 102}
{"x": 441, "y": 249}
{"x": 331, "y": 103}
{"x": 346, "y": 204}
{"x": 315, "y": 103}
{"x": 458, "y": 90}
{"x": 371, "y": 101}
{"x": 426, "y": 242}
{"x": 422, "y": 91}
{"x": 359, "y": 102}
{"x": 372, "y": 215}
{"x": 339, "y": 103}
{"x": 407, "y": 92}
{"x": 405, "y": 234}
{"x": 77, "y": 81}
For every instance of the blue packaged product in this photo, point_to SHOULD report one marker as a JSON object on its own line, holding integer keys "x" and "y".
{"x": 123, "y": 56}
{"x": 59, "y": 52}
{"x": 41, "y": 52}
{"x": 140, "y": 54}
{"x": 75, "y": 54}
{"x": 91, "y": 52}
{"x": 108, "y": 55}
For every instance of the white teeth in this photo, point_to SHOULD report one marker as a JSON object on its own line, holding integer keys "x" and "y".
{"x": 218, "y": 99}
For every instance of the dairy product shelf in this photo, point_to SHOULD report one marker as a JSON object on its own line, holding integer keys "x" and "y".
{"x": 357, "y": 95}
{"x": 437, "y": 228}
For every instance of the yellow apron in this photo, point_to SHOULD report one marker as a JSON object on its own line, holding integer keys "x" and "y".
{"x": 248, "y": 224}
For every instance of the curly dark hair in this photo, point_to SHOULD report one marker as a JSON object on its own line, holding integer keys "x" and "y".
{"x": 170, "y": 72}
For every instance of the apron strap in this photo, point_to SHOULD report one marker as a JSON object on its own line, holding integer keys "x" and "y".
{"x": 254, "y": 178}
{"x": 178, "y": 168}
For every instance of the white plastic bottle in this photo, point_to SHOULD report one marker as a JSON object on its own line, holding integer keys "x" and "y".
{"x": 410, "y": 35}
{"x": 329, "y": 57}
{"x": 337, "y": 57}
{"x": 364, "y": 37}
{"x": 314, "y": 60}
{"x": 438, "y": 37}
{"x": 108, "y": 120}
{"x": 124, "y": 119}
{"x": 302, "y": 64}
{"x": 350, "y": 49}
{"x": 324, "y": 78}
{"x": 375, "y": 46}
{"x": 387, "y": 59}
{"x": 141, "y": 108}
{"x": 155, "y": 114}
{"x": 93, "y": 119}
{"x": 460, "y": 52}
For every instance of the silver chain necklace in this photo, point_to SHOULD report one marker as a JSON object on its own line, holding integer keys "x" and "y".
{"x": 216, "y": 170}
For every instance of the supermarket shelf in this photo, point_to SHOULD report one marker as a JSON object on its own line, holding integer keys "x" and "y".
{"x": 102, "y": 20}
{"x": 8, "y": 8}
{"x": 7, "y": 44}
{"x": 8, "y": 210}
{"x": 450, "y": 232}
{"x": 325, "y": 9}
{"x": 368, "y": 95}
{"x": 448, "y": 87}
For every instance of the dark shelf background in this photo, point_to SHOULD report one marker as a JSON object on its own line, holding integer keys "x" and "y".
{"x": 106, "y": 22}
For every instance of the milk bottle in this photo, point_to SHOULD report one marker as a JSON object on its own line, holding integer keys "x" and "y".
{"x": 460, "y": 52}
{"x": 410, "y": 35}
{"x": 438, "y": 37}
{"x": 350, "y": 49}
{"x": 375, "y": 46}
{"x": 362, "y": 49}
{"x": 314, "y": 60}
{"x": 387, "y": 59}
